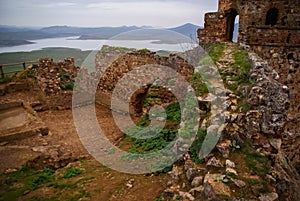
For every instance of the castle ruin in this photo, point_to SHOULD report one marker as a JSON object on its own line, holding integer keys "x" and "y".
{"x": 261, "y": 23}
{"x": 270, "y": 28}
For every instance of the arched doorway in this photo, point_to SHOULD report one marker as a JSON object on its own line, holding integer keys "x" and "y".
{"x": 272, "y": 16}
{"x": 231, "y": 18}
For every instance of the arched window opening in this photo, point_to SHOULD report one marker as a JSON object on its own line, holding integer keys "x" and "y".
{"x": 235, "y": 35}
{"x": 231, "y": 19}
{"x": 272, "y": 16}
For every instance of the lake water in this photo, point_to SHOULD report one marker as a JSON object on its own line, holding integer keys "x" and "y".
{"x": 71, "y": 42}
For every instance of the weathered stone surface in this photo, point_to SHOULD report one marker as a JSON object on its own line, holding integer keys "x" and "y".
{"x": 224, "y": 148}
{"x": 255, "y": 29}
{"x": 53, "y": 76}
{"x": 230, "y": 164}
{"x": 214, "y": 163}
{"x": 239, "y": 183}
{"x": 231, "y": 171}
{"x": 276, "y": 143}
{"x": 19, "y": 121}
{"x": 197, "y": 181}
{"x": 268, "y": 197}
{"x": 186, "y": 195}
{"x": 270, "y": 29}
{"x": 218, "y": 186}
{"x": 208, "y": 193}
{"x": 175, "y": 173}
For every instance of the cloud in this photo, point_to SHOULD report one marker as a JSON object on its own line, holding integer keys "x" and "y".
{"x": 104, "y": 12}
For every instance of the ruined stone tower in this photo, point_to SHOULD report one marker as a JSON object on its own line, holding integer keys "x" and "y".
{"x": 261, "y": 22}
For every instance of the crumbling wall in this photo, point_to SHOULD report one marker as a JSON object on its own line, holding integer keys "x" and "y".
{"x": 52, "y": 76}
{"x": 124, "y": 63}
{"x": 55, "y": 80}
{"x": 272, "y": 30}
{"x": 255, "y": 25}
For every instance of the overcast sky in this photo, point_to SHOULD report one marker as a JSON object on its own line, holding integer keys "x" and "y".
{"x": 158, "y": 13}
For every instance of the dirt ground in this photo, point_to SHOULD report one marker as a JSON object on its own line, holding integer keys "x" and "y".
{"x": 63, "y": 141}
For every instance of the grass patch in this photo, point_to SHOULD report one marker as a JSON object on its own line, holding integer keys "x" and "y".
{"x": 55, "y": 53}
{"x": 7, "y": 79}
{"x": 107, "y": 48}
{"x": 173, "y": 112}
{"x": 215, "y": 50}
{"x": 72, "y": 172}
{"x": 26, "y": 179}
{"x": 153, "y": 144}
{"x": 198, "y": 85}
{"x": 241, "y": 70}
{"x": 43, "y": 177}
{"x": 260, "y": 185}
{"x": 143, "y": 51}
{"x": 255, "y": 161}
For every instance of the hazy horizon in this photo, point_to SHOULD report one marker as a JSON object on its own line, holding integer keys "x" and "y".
{"x": 147, "y": 26}
{"x": 103, "y": 13}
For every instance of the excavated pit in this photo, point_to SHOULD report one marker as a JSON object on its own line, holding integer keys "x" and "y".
{"x": 18, "y": 121}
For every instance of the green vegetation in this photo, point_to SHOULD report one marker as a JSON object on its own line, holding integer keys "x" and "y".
{"x": 198, "y": 85}
{"x": 72, "y": 172}
{"x": 7, "y": 79}
{"x": 29, "y": 179}
{"x": 54, "y": 53}
{"x": 173, "y": 112}
{"x": 148, "y": 101}
{"x": 235, "y": 145}
{"x": 196, "y": 146}
{"x": 241, "y": 69}
{"x": 107, "y": 48}
{"x": 215, "y": 50}
{"x": 17, "y": 183}
{"x": 256, "y": 162}
{"x": 156, "y": 140}
{"x": 260, "y": 185}
{"x": 65, "y": 82}
{"x": 143, "y": 51}
{"x": 153, "y": 144}
{"x": 161, "y": 198}
{"x": 41, "y": 178}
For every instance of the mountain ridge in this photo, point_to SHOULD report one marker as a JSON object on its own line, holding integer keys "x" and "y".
{"x": 10, "y": 34}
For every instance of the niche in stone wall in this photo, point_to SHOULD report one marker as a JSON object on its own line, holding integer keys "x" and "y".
{"x": 272, "y": 16}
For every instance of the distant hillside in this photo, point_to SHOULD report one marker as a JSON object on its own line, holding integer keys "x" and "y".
{"x": 11, "y": 35}
{"x": 188, "y": 29}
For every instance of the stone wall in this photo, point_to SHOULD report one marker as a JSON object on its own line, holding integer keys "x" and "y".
{"x": 52, "y": 76}
{"x": 55, "y": 80}
{"x": 256, "y": 26}
{"x": 124, "y": 63}
{"x": 272, "y": 30}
